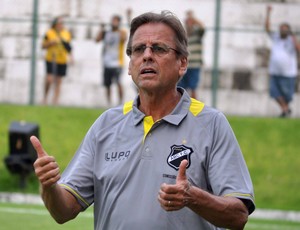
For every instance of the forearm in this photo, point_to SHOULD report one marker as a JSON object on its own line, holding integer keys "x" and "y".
{"x": 226, "y": 212}
{"x": 199, "y": 23}
{"x": 296, "y": 43}
{"x": 67, "y": 45}
{"x": 267, "y": 21}
{"x": 99, "y": 36}
{"x": 61, "y": 204}
{"x": 267, "y": 24}
{"x": 47, "y": 44}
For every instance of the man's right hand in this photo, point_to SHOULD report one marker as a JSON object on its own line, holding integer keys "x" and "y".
{"x": 45, "y": 166}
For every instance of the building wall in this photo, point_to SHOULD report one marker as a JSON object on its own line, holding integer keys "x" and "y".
{"x": 243, "y": 54}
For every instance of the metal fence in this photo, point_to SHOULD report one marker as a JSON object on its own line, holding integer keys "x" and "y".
{"x": 234, "y": 77}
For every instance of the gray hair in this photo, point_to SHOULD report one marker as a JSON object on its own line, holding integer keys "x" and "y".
{"x": 167, "y": 18}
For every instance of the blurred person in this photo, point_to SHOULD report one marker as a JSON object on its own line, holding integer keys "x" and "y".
{"x": 283, "y": 64}
{"x": 195, "y": 30}
{"x": 162, "y": 161}
{"x": 113, "y": 55}
{"x": 57, "y": 42}
{"x": 129, "y": 15}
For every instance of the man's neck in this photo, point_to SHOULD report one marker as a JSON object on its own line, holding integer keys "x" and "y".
{"x": 158, "y": 105}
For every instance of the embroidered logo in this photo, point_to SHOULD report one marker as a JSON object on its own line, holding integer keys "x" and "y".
{"x": 179, "y": 153}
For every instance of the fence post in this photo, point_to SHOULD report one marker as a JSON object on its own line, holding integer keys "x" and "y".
{"x": 33, "y": 51}
{"x": 215, "y": 69}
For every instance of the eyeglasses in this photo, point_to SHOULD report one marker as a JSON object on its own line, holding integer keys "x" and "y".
{"x": 156, "y": 49}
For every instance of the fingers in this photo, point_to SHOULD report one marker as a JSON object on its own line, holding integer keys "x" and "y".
{"x": 168, "y": 203}
{"x": 46, "y": 168}
{"x": 172, "y": 196}
{"x": 181, "y": 181}
{"x": 48, "y": 175}
{"x": 38, "y": 147}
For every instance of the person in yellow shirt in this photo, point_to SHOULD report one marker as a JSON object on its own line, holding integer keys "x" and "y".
{"x": 57, "y": 42}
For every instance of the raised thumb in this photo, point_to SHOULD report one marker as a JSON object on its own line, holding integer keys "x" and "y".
{"x": 38, "y": 147}
{"x": 182, "y": 171}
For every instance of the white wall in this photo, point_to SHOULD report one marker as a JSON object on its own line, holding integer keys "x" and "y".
{"x": 82, "y": 86}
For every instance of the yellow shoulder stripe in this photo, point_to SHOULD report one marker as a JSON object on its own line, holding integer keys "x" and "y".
{"x": 236, "y": 194}
{"x": 127, "y": 107}
{"x": 196, "y": 106}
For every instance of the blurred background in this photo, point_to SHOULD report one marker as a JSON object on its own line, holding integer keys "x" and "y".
{"x": 236, "y": 50}
{"x": 234, "y": 79}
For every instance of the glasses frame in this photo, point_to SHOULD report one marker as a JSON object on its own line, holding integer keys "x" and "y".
{"x": 158, "y": 49}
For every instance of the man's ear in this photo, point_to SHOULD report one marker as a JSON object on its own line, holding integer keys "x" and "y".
{"x": 129, "y": 68}
{"x": 183, "y": 66}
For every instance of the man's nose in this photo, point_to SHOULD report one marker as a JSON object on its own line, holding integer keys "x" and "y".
{"x": 148, "y": 53}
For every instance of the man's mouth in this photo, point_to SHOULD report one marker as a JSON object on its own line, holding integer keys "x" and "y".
{"x": 148, "y": 71}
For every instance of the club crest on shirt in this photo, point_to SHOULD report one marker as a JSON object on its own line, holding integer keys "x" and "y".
{"x": 179, "y": 153}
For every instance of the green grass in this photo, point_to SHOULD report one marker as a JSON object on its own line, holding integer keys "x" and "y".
{"x": 36, "y": 217}
{"x": 270, "y": 147}
{"x": 254, "y": 224}
{"x": 61, "y": 131}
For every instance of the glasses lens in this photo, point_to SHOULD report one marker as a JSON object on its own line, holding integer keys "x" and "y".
{"x": 160, "y": 50}
{"x": 156, "y": 49}
{"x": 138, "y": 50}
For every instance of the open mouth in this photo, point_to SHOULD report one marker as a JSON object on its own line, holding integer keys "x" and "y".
{"x": 148, "y": 71}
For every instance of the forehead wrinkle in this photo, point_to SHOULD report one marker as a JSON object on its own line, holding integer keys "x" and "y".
{"x": 153, "y": 33}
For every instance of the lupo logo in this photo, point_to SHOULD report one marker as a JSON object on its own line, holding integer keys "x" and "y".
{"x": 117, "y": 156}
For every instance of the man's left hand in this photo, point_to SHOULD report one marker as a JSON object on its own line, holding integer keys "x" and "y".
{"x": 174, "y": 197}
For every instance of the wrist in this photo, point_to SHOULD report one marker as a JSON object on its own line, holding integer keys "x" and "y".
{"x": 187, "y": 188}
{"x": 187, "y": 194}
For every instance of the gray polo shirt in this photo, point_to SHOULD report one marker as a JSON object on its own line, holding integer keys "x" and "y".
{"x": 125, "y": 157}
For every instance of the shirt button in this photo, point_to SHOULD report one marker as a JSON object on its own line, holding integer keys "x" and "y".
{"x": 147, "y": 149}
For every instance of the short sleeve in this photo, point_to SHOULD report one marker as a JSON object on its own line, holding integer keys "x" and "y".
{"x": 227, "y": 171}
{"x": 78, "y": 176}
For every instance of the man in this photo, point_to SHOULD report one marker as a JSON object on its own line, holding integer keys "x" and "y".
{"x": 57, "y": 42}
{"x": 195, "y": 31}
{"x": 113, "y": 55}
{"x": 162, "y": 146}
{"x": 283, "y": 68}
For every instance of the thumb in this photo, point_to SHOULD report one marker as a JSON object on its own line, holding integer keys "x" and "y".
{"x": 182, "y": 171}
{"x": 38, "y": 147}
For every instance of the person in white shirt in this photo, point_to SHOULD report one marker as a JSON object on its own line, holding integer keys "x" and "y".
{"x": 283, "y": 64}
